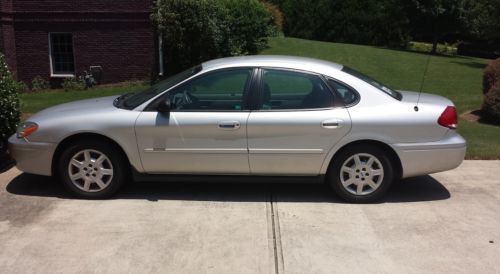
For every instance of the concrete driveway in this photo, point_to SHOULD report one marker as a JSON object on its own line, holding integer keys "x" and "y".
{"x": 447, "y": 222}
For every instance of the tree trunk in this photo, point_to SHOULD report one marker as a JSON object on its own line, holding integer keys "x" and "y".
{"x": 434, "y": 44}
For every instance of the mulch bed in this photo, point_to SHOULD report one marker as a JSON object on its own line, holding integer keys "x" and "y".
{"x": 480, "y": 117}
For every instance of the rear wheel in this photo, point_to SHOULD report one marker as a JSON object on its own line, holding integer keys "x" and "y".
{"x": 361, "y": 173}
{"x": 92, "y": 169}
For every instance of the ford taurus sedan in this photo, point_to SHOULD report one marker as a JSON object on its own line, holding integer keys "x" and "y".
{"x": 261, "y": 116}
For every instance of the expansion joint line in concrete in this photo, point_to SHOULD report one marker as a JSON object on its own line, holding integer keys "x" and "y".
{"x": 274, "y": 233}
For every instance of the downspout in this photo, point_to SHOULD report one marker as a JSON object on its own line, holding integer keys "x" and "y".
{"x": 160, "y": 54}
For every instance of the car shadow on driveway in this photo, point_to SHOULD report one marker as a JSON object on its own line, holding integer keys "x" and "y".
{"x": 423, "y": 188}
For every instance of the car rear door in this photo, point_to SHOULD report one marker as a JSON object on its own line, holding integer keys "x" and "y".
{"x": 297, "y": 120}
{"x": 205, "y": 132}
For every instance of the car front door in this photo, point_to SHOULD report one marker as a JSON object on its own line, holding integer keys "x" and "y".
{"x": 297, "y": 121}
{"x": 205, "y": 131}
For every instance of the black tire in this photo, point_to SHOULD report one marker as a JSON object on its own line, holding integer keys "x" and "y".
{"x": 334, "y": 174}
{"x": 117, "y": 162}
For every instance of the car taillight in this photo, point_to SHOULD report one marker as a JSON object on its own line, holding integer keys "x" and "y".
{"x": 449, "y": 118}
{"x": 26, "y": 129}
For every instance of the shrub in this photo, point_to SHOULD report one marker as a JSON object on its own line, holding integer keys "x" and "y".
{"x": 491, "y": 103}
{"x": 194, "y": 30}
{"x": 38, "y": 83}
{"x": 491, "y": 75}
{"x": 9, "y": 105}
{"x": 21, "y": 87}
{"x": 73, "y": 83}
{"x": 380, "y": 22}
{"x": 276, "y": 15}
{"x": 444, "y": 49}
{"x": 249, "y": 24}
{"x": 199, "y": 30}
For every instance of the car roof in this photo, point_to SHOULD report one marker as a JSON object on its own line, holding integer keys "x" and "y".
{"x": 278, "y": 61}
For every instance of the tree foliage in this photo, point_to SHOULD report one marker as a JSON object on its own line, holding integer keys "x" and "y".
{"x": 356, "y": 21}
{"x": 9, "y": 104}
{"x": 436, "y": 18}
{"x": 392, "y": 22}
{"x": 198, "y": 30}
{"x": 482, "y": 19}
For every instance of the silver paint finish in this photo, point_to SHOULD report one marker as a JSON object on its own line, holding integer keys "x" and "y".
{"x": 193, "y": 142}
{"x": 293, "y": 142}
{"x": 32, "y": 157}
{"x": 253, "y": 142}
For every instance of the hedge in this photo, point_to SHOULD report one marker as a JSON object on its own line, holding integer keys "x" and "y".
{"x": 491, "y": 75}
{"x": 9, "y": 105}
{"x": 198, "y": 30}
{"x": 491, "y": 102}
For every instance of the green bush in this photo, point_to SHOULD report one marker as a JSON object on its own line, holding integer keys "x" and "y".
{"x": 491, "y": 75}
{"x": 277, "y": 17}
{"x": 444, "y": 49}
{"x": 198, "y": 30}
{"x": 9, "y": 105}
{"x": 491, "y": 103}
{"x": 250, "y": 23}
{"x": 380, "y": 22}
{"x": 73, "y": 83}
{"x": 38, "y": 83}
{"x": 21, "y": 87}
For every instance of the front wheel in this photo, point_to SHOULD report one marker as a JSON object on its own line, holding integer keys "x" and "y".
{"x": 92, "y": 170}
{"x": 361, "y": 173}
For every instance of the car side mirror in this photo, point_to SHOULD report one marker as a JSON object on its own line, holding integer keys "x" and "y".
{"x": 165, "y": 106}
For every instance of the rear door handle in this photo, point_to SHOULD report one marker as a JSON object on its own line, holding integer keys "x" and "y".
{"x": 335, "y": 123}
{"x": 229, "y": 125}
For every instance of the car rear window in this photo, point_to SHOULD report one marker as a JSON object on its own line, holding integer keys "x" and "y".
{"x": 394, "y": 94}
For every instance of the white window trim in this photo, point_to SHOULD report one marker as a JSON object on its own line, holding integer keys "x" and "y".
{"x": 59, "y": 75}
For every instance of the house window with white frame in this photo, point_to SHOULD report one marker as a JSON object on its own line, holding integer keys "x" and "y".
{"x": 62, "y": 62}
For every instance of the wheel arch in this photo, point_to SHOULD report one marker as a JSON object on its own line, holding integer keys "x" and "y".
{"x": 391, "y": 153}
{"x": 67, "y": 141}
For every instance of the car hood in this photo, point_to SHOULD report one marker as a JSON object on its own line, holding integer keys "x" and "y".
{"x": 411, "y": 97}
{"x": 90, "y": 106}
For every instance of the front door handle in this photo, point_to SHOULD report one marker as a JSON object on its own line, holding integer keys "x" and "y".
{"x": 335, "y": 123}
{"x": 229, "y": 125}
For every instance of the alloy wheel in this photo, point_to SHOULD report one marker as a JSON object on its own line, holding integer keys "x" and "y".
{"x": 90, "y": 170}
{"x": 361, "y": 174}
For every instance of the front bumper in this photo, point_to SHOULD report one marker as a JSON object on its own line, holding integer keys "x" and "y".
{"x": 431, "y": 157}
{"x": 32, "y": 157}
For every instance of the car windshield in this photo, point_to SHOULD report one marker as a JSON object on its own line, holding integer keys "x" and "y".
{"x": 133, "y": 100}
{"x": 373, "y": 82}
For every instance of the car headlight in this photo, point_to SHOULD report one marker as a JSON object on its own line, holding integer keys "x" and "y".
{"x": 26, "y": 129}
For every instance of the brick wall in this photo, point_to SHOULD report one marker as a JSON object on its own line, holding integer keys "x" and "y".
{"x": 8, "y": 46}
{"x": 124, "y": 50}
{"x": 116, "y": 35}
{"x": 79, "y": 5}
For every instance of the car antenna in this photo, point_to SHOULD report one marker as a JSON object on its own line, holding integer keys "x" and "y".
{"x": 422, "y": 82}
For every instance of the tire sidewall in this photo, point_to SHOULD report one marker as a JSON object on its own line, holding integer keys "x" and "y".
{"x": 119, "y": 169}
{"x": 333, "y": 177}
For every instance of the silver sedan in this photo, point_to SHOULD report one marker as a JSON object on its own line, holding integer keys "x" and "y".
{"x": 263, "y": 116}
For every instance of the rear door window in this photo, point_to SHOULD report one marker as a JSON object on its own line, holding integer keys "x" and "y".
{"x": 282, "y": 89}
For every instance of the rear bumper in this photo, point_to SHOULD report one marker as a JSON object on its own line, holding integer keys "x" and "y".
{"x": 426, "y": 158}
{"x": 32, "y": 157}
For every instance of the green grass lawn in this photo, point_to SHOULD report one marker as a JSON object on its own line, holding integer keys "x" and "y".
{"x": 34, "y": 102}
{"x": 455, "y": 77}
